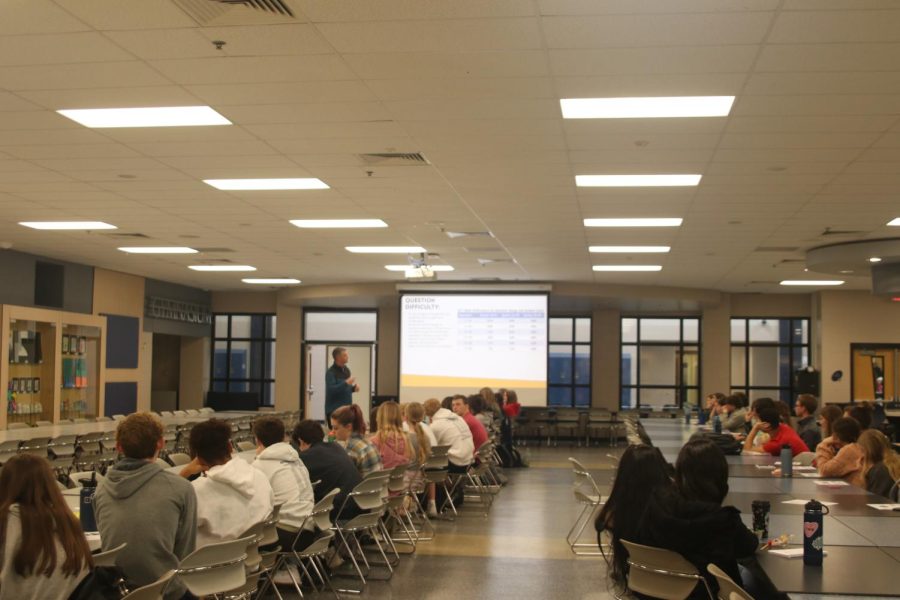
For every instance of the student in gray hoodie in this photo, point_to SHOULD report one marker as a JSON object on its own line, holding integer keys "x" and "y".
{"x": 152, "y": 510}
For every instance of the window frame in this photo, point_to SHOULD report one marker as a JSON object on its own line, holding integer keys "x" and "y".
{"x": 573, "y": 346}
{"x": 680, "y": 389}
{"x": 267, "y": 345}
{"x": 747, "y": 345}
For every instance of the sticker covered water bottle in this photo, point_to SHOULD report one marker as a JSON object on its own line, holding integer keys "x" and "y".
{"x": 813, "y": 540}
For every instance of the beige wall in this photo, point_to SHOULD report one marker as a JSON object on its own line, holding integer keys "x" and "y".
{"x": 121, "y": 294}
{"x": 605, "y": 335}
{"x": 244, "y": 302}
{"x": 846, "y": 318}
{"x": 194, "y": 378}
{"x": 715, "y": 348}
{"x": 287, "y": 357}
{"x": 387, "y": 369}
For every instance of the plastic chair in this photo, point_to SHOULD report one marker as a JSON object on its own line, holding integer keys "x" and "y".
{"x": 369, "y": 496}
{"x": 661, "y": 573}
{"x": 727, "y": 587}
{"x": 588, "y": 495}
{"x": 215, "y": 568}
{"x": 151, "y": 591}
{"x": 108, "y": 558}
{"x": 246, "y": 446}
{"x": 313, "y": 555}
{"x": 178, "y": 459}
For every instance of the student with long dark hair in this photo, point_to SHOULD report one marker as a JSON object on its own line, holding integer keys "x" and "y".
{"x": 43, "y": 551}
{"x": 350, "y": 431}
{"x": 690, "y": 519}
{"x": 642, "y": 471}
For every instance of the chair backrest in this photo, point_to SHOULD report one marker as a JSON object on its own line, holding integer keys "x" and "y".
{"x": 255, "y": 534}
{"x": 319, "y": 546}
{"x": 321, "y": 512}
{"x": 215, "y": 568}
{"x": 727, "y": 587}
{"x": 179, "y": 458}
{"x": 660, "y": 573}
{"x": 108, "y": 558}
{"x": 583, "y": 478}
{"x": 397, "y": 479}
{"x": 440, "y": 450}
{"x": 368, "y": 492}
{"x": 270, "y": 525}
{"x": 151, "y": 591}
{"x": 246, "y": 446}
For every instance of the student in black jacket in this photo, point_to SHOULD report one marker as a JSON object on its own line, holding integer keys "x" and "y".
{"x": 691, "y": 520}
{"x": 328, "y": 463}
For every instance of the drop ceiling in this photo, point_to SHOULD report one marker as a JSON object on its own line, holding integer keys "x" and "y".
{"x": 812, "y": 142}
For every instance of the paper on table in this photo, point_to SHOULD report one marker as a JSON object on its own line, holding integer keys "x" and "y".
{"x": 766, "y": 467}
{"x": 810, "y": 475}
{"x": 792, "y": 552}
{"x": 795, "y": 463}
{"x": 804, "y": 469}
{"x": 800, "y": 501}
{"x": 885, "y": 506}
{"x": 832, "y": 483}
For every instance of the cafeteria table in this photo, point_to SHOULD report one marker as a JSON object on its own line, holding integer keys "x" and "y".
{"x": 863, "y": 543}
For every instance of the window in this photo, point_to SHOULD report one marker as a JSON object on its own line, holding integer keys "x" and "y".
{"x": 764, "y": 355}
{"x": 569, "y": 362}
{"x": 660, "y": 362}
{"x": 243, "y": 357}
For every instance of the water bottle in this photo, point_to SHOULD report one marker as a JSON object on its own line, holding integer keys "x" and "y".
{"x": 86, "y": 508}
{"x": 813, "y": 541}
{"x": 787, "y": 461}
{"x": 717, "y": 424}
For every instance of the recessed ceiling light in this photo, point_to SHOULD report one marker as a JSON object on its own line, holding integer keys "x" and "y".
{"x": 846, "y": 271}
{"x": 894, "y": 222}
{"x": 159, "y": 116}
{"x": 159, "y": 250}
{"x": 660, "y": 222}
{"x": 646, "y": 108}
{"x": 628, "y": 249}
{"x": 385, "y": 249}
{"x": 337, "y": 223}
{"x": 663, "y": 180}
{"x": 626, "y": 268}
{"x": 296, "y": 183}
{"x": 272, "y": 281}
{"x": 221, "y": 268}
{"x": 403, "y": 268}
{"x": 875, "y": 259}
{"x": 67, "y": 225}
{"x": 812, "y": 282}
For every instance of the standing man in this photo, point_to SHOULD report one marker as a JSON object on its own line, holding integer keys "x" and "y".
{"x": 339, "y": 385}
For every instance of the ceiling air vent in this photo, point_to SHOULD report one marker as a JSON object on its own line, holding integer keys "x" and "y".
{"x": 830, "y": 231}
{"x": 273, "y": 6}
{"x": 125, "y": 235}
{"x": 395, "y": 159}
{"x": 460, "y": 234}
{"x": 491, "y": 261}
{"x": 777, "y": 248}
{"x": 483, "y": 249}
{"x": 237, "y": 12}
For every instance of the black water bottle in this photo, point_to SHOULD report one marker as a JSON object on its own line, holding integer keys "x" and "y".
{"x": 86, "y": 509}
{"x": 813, "y": 539}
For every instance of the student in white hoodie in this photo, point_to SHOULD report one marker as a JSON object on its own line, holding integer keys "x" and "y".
{"x": 290, "y": 482}
{"x": 232, "y": 496}
{"x": 450, "y": 429}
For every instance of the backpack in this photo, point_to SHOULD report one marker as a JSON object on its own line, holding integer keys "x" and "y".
{"x": 726, "y": 442}
{"x": 102, "y": 583}
{"x": 510, "y": 457}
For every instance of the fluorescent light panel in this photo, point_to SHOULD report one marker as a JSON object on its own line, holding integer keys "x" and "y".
{"x": 385, "y": 249}
{"x": 894, "y": 222}
{"x": 158, "y": 250}
{"x": 812, "y": 282}
{"x": 637, "y": 222}
{"x": 629, "y": 249}
{"x": 272, "y": 281}
{"x": 67, "y": 225}
{"x": 160, "y": 116}
{"x": 627, "y": 268}
{"x": 646, "y": 108}
{"x": 338, "y": 223}
{"x": 404, "y": 268}
{"x": 221, "y": 268}
{"x": 296, "y": 183}
{"x": 653, "y": 180}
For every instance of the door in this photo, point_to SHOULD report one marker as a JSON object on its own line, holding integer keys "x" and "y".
{"x": 874, "y": 373}
{"x": 361, "y": 365}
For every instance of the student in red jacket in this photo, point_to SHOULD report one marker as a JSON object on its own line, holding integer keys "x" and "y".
{"x": 779, "y": 434}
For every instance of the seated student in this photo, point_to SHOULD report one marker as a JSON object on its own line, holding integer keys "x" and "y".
{"x": 711, "y": 407}
{"x": 43, "y": 551}
{"x": 141, "y": 504}
{"x": 328, "y": 463}
{"x": 753, "y": 418}
{"x": 461, "y": 408}
{"x": 779, "y": 434}
{"x": 862, "y": 412}
{"x": 828, "y": 415}
{"x": 232, "y": 496}
{"x": 807, "y": 428}
{"x": 289, "y": 480}
{"x": 450, "y": 430}
{"x": 733, "y": 416}
{"x": 840, "y": 455}
{"x": 642, "y": 471}
{"x": 349, "y": 428}
{"x": 414, "y": 423}
{"x": 476, "y": 409}
{"x": 881, "y": 465}
{"x": 392, "y": 443}
{"x": 511, "y": 406}
{"x": 691, "y": 520}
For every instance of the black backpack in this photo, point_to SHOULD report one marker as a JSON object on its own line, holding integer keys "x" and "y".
{"x": 726, "y": 442}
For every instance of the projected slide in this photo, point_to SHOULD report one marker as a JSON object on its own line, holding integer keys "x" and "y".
{"x": 460, "y": 343}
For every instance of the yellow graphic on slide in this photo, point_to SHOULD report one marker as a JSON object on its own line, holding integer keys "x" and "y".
{"x": 467, "y": 382}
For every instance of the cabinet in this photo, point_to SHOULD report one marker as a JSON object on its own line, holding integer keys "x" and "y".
{"x": 52, "y": 365}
